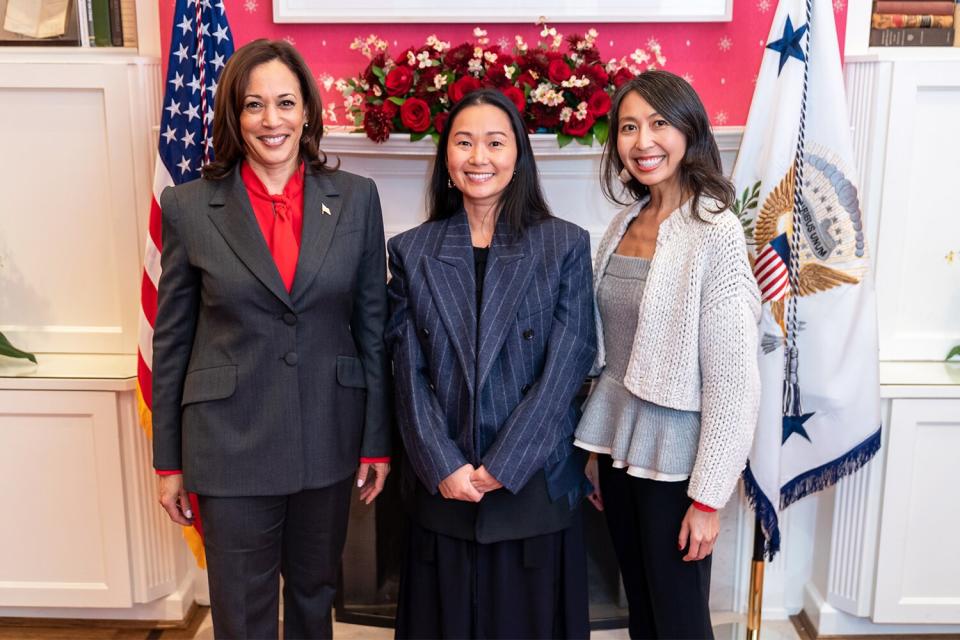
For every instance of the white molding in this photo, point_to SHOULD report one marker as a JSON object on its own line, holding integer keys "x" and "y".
{"x": 376, "y": 11}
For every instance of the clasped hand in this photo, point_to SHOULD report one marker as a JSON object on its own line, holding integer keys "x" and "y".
{"x": 468, "y": 484}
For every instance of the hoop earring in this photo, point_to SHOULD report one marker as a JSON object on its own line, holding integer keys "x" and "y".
{"x": 624, "y": 176}
{"x": 450, "y": 184}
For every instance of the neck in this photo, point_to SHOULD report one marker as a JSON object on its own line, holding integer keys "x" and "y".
{"x": 664, "y": 199}
{"x": 274, "y": 177}
{"x": 482, "y": 218}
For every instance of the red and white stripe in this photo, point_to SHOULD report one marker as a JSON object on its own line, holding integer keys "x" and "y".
{"x": 772, "y": 274}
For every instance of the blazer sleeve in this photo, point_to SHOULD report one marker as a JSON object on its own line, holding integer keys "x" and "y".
{"x": 536, "y": 425}
{"x": 432, "y": 453}
{"x": 367, "y": 323}
{"x": 178, "y": 296}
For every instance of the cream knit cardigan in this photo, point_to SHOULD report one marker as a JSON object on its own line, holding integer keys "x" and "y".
{"x": 696, "y": 347}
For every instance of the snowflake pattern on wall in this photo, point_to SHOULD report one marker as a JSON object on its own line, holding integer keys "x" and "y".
{"x": 250, "y": 6}
{"x": 839, "y": 5}
{"x": 688, "y": 77}
{"x": 290, "y": 41}
{"x": 725, "y": 43}
{"x": 763, "y": 6}
{"x": 720, "y": 118}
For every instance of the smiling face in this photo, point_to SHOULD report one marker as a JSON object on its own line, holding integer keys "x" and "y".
{"x": 481, "y": 154}
{"x": 649, "y": 147}
{"x": 272, "y": 118}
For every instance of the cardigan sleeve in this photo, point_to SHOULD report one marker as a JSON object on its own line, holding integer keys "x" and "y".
{"x": 730, "y": 377}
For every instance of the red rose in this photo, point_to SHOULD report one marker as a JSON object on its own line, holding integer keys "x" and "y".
{"x": 596, "y": 73}
{"x": 440, "y": 121}
{"x": 578, "y": 128}
{"x": 558, "y": 71}
{"x": 599, "y": 104}
{"x": 526, "y": 78}
{"x": 622, "y": 76}
{"x": 462, "y": 87}
{"x": 390, "y": 109}
{"x": 377, "y": 124}
{"x": 415, "y": 115}
{"x": 399, "y": 81}
{"x": 516, "y": 97}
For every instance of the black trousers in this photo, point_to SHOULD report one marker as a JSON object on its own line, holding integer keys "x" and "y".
{"x": 251, "y": 541}
{"x": 528, "y": 588}
{"x": 668, "y": 598}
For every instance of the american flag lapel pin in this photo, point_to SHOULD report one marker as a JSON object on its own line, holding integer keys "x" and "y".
{"x": 324, "y": 209}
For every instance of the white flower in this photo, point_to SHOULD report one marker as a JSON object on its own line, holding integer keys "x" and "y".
{"x": 330, "y": 114}
{"x": 521, "y": 45}
{"x": 423, "y": 60}
{"x": 640, "y": 56}
{"x": 326, "y": 80}
{"x": 438, "y": 45}
{"x": 574, "y": 81}
{"x": 508, "y": 71}
{"x": 565, "y": 114}
{"x": 490, "y": 57}
{"x": 347, "y": 103}
{"x": 377, "y": 91}
{"x": 411, "y": 58}
{"x": 357, "y": 99}
{"x": 341, "y": 85}
{"x": 475, "y": 66}
{"x": 480, "y": 35}
{"x": 582, "y": 109}
{"x": 557, "y": 41}
{"x": 439, "y": 81}
{"x": 545, "y": 94}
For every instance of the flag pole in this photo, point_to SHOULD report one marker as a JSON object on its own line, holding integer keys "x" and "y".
{"x": 755, "y": 595}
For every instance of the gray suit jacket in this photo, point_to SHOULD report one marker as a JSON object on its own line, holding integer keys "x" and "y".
{"x": 257, "y": 391}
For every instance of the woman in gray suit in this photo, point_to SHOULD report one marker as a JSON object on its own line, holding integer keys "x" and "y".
{"x": 270, "y": 374}
{"x": 492, "y": 333}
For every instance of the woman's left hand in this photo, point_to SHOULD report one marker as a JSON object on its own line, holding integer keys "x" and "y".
{"x": 701, "y": 529}
{"x": 370, "y": 490}
{"x": 483, "y": 482}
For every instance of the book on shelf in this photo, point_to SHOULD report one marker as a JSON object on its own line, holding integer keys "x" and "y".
{"x": 926, "y": 37}
{"x": 40, "y": 23}
{"x": 101, "y": 23}
{"x": 915, "y": 7}
{"x": 956, "y": 17}
{"x": 128, "y": 13}
{"x": 116, "y": 24}
{"x": 910, "y": 21}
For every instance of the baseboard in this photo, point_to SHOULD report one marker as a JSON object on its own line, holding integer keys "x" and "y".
{"x": 823, "y": 621}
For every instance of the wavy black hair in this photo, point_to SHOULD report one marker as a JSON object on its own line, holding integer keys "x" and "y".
{"x": 522, "y": 203}
{"x": 701, "y": 172}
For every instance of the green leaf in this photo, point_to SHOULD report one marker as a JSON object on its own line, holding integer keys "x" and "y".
{"x": 436, "y": 137}
{"x": 377, "y": 71}
{"x": 586, "y": 139}
{"x": 418, "y": 136}
{"x": 563, "y": 140}
{"x": 7, "y": 349}
{"x": 601, "y": 129}
{"x": 397, "y": 100}
{"x": 953, "y": 352}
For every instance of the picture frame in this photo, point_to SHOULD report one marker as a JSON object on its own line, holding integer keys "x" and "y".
{"x": 493, "y": 11}
{"x": 70, "y": 38}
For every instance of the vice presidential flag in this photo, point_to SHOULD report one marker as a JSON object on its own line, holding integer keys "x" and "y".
{"x": 199, "y": 48}
{"x": 798, "y": 201}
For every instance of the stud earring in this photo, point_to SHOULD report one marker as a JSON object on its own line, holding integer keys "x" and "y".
{"x": 450, "y": 184}
{"x": 624, "y": 176}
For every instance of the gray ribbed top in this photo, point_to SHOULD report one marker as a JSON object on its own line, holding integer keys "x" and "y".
{"x": 650, "y": 440}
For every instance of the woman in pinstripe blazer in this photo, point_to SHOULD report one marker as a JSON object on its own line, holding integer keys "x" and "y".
{"x": 491, "y": 333}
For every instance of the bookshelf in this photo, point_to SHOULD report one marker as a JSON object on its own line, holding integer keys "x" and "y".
{"x": 857, "y": 43}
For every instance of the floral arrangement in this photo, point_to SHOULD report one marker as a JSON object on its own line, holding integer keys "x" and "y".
{"x": 557, "y": 89}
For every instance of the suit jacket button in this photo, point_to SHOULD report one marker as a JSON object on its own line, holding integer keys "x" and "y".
{"x": 432, "y": 388}
{"x": 524, "y": 389}
{"x": 425, "y": 332}
{"x": 528, "y": 334}
{"x": 291, "y": 358}
{"x": 290, "y": 318}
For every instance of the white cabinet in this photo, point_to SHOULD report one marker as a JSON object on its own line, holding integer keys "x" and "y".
{"x": 83, "y": 535}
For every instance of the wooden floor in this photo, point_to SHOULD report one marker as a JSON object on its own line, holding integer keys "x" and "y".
{"x": 198, "y": 627}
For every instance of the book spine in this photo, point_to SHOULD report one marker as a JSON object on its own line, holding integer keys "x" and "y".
{"x": 101, "y": 23}
{"x": 128, "y": 10}
{"x": 956, "y": 17}
{"x": 116, "y": 24}
{"x": 923, "y": 7}
{"x": 905, "y": 21}
{"x": 91, "y": 29}
{"x": 911, "y": 37}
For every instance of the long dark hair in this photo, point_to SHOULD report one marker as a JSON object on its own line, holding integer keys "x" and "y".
{"x": 522, "y": 203}
{"x": 701, "y": 172}
{"x": 228, "y": 146}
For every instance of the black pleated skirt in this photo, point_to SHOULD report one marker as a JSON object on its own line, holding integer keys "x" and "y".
{"x": 528, "y": 588}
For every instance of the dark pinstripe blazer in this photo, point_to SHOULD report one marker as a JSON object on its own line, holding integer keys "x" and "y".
{"x": 257, "y": 391}
{"x": 501, "y": 393}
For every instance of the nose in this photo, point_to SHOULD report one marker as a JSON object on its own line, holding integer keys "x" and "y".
{"x": 478, "y": 154}
{"x": 271, "y": 117}
{"x": 644, "y": 137}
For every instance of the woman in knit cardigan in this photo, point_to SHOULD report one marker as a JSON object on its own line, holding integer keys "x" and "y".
{"x": 671, "y": 417}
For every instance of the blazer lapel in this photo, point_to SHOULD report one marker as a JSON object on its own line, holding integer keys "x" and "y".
{"x": 232, "y": 215}
{"x": 321, "y": 212}
{"x": 451, "y": 278}
{"x": 508, "y": 275}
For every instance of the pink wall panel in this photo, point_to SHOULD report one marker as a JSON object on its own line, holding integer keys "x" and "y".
{"x": 721, "y": 59}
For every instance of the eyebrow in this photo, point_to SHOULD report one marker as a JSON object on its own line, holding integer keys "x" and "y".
{"x": 488, "y": 133}
{"x": 257, "y": 95}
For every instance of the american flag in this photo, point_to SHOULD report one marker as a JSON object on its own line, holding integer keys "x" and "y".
{"x": 199, "y": 48}
{"x": 771, "y": 270}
